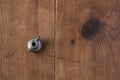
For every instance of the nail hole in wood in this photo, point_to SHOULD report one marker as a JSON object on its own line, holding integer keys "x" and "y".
{"x": 72, "y": 41}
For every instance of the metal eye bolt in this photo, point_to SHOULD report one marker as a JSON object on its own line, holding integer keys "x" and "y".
{"x": 34, "y": 45}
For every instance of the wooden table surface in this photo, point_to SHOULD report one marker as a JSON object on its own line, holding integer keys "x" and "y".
{"x": 80, "y": 38}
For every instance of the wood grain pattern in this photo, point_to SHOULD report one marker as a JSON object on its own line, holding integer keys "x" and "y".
{"x": 66, "y": 54}
{"x": 78, "y": 58}
{"x": 21, "y": 20}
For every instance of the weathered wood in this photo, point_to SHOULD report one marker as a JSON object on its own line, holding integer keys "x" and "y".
{"x": 81, "y": 58}
{"x": 21, "y": 20}
{"x": 80, "y": 53}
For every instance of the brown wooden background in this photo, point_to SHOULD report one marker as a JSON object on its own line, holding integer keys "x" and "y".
{"x": 67, "y": 54}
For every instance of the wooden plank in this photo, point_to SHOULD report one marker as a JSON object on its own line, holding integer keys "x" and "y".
{"x": 21, "y": 20}
{"x": 88, "y": 40}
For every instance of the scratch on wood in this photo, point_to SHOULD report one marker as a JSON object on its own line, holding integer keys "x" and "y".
{"x": 7, "y": 56}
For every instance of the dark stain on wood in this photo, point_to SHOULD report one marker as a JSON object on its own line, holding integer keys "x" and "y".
{"x": 90, "y": 28}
